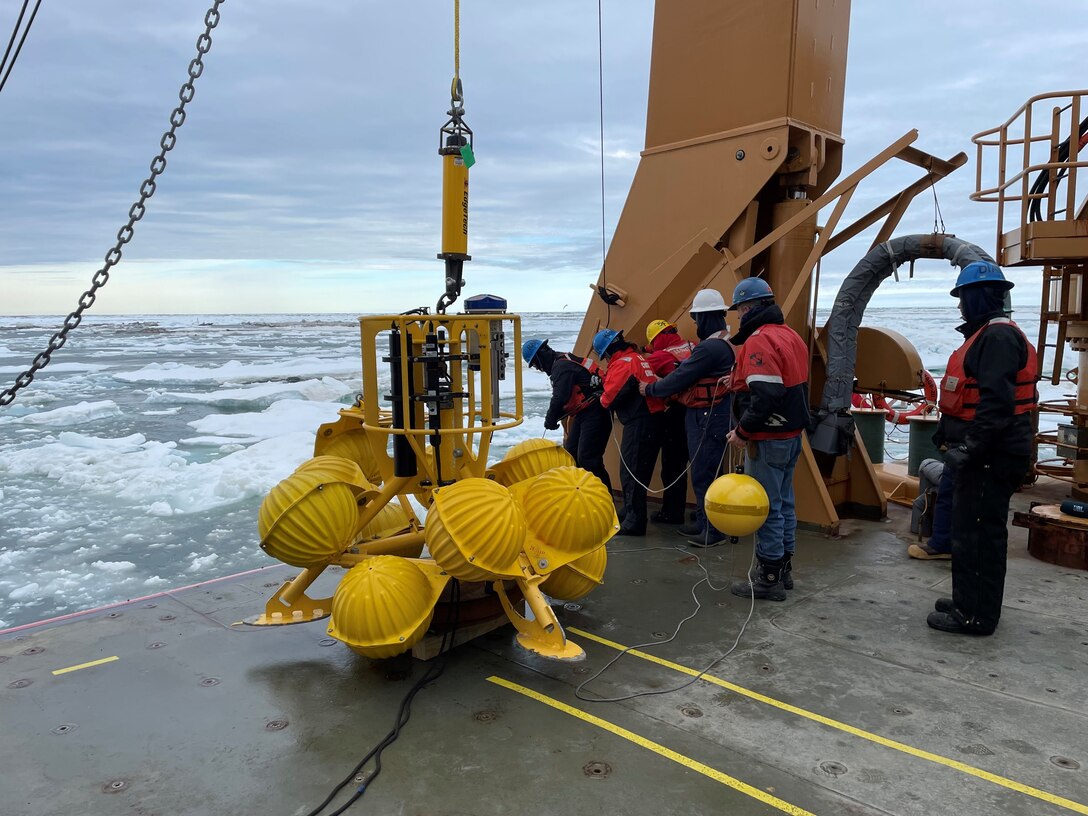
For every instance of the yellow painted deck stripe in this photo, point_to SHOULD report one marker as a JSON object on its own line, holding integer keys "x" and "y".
{"x": 86, "y": 665}
{"x": 657, "y": 748}
{"x": 963, "y": 767}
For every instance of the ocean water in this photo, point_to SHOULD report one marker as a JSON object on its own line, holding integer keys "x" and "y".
{"x": 137, "y": 460}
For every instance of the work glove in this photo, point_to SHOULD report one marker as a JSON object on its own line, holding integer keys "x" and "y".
{"x": 957, "y": 457}
{"x": 551, "y": 426}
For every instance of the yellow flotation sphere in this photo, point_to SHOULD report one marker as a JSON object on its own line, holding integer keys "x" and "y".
{"x": 339, "y": 469}
{"x": 578, "y": 578}
{"x": 304, "y": 520}
{"x": 528, "y": 459}
{"x": 391, "y": 519}
{"x": 569, "y": 509}
{"x": 475, "y": 530}
{"x": 353, "y": 444}
{"x": 382, "y": 607}
{"x": 736, "y": 504}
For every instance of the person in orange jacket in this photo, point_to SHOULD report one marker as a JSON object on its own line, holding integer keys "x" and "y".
{"x": 666, "y": 350}
{"x": 641, "y": 419}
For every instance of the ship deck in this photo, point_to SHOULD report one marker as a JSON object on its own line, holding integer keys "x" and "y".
{"x": 838, "y": 701}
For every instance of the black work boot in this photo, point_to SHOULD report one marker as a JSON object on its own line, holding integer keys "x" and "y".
{"x": 692, "y": 528}
{"x": 765, "y": 584}
{"x": 787, "y": 572}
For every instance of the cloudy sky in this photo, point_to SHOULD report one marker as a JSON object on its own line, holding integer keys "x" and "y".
{"x": 306, "y": 176}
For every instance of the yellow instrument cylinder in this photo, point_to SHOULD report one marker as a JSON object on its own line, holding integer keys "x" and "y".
{"x": 454, "y": 203}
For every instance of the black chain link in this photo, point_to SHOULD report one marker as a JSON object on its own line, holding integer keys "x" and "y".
{"x": 135, "y": 213}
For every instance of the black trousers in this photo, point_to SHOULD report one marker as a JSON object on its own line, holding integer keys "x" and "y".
{"x": 673, "y": 448}
{"x": 587, "y": 437}
{"x": 638, "y": 450}
{"x": 980, "y": 537}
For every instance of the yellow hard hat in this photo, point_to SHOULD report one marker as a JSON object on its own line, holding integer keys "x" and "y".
{"x": 655, "y": 328}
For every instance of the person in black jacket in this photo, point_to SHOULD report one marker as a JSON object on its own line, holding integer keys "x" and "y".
{"x": 988, "y": 394}
{"x": 576, "y": 392}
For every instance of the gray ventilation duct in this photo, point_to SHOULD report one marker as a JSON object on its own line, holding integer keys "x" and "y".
{"x": 833, "y": 427}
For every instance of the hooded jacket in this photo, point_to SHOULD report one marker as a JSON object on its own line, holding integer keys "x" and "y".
{"x": 711, "y": 359}
{"x": 576, "y": 383}
{"x": 994, "y": 361}
{"x": 770, "y": 379}
{"x": 666, "y": 351}
{"x": 626, "y": 369}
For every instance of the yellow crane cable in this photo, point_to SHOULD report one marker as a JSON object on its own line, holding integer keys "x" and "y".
{"x": 456, "y": 48}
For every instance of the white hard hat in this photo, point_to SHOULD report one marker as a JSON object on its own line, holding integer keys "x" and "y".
{"x": 708, "y": 300}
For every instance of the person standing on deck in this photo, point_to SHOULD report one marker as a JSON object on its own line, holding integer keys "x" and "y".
{"x": 988, "y": 394}
{"x": 576, "y": 391}
{"x": 641, "y": 419}
{"x": 770, "y": 403}
{"x": 700, "y": 383}
{"x": 665, "y": 352}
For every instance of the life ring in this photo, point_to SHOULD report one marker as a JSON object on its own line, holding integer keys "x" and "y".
{"x": 898, "y": 414}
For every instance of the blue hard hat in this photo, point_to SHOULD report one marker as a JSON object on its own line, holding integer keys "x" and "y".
{"x": 529, "y": 349}
{"x": 980, "y": 272}
{"x": 603, "y": 339}
{"x": 750, "y": 289}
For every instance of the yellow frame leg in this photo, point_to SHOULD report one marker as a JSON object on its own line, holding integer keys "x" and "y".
{"x": 542, "y": 634}
{"x": 290, "y": 604}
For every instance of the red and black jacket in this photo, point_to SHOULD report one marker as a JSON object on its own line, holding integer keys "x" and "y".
{"x": 666, "y": 351}
{"x": 626, "y": 369}
{"x": 576, "y": 385}
{"x": 770, "y": 379}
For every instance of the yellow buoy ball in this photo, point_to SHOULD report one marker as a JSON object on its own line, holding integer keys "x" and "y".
{"x": 736, "y": 504}
{"x": 528, "y": 459}
{"x": 339, "y": 469}
{"x": 569, "y": 509}
{"x": 305, "y": 521}
{"x": 353, "y": 445}
{"x": 391, "y": 519}
{"x": 578, "y": 578}
{"x": 382, "y": 607}
{"x": 475, "y": 530}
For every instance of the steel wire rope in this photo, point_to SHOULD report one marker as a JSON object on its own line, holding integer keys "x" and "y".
{"x": 135, "y": 213}
{"x": 5, "y": 66}
{"x": 14, "y": 33}
{"x": 602, "y": 290}
{"x": 936, "y": 210}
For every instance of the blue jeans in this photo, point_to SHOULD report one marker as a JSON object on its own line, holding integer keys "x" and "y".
{"x": 773, "y": 468}
{"x": 941, "y": 534}
{"x": 706, "y": 430}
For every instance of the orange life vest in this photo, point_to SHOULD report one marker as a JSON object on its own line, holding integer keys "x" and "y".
{"x": 959, "y": 393}
{"x": 707, "y": 391}
{"x": 580, "y": 398}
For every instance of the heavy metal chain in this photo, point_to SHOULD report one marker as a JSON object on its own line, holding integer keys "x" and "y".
{"x": 135, "y": 213}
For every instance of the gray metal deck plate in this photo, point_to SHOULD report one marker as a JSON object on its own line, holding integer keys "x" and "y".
{"x": 185, "y": 720}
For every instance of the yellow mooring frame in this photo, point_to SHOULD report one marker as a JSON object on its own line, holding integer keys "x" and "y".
{"x": 432, "y": 399}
